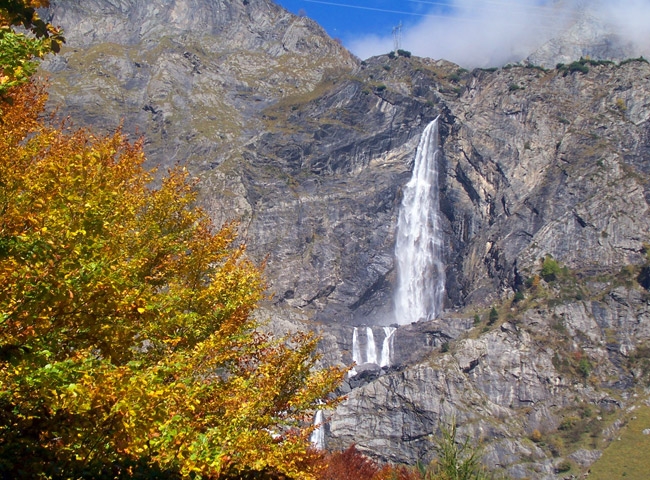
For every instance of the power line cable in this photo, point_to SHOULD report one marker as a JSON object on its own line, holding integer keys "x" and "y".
{"x": 374, "y": 9}
{"x": 548, "y": 14}
{"x": 417, "y": 14}
{"x": 484, "y": 3}
{"x": 543, "y": 13}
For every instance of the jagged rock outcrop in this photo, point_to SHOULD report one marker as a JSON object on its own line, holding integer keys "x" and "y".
{"x": 543, "y": 163}
{"x": 503, "y": 385}
{"x": 193, "y": 75}
{"x": 309, "y": 148}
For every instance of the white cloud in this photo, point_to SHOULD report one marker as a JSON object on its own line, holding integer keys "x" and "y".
{"x": 494, "y": 32}
{"x": 631, "y": 20}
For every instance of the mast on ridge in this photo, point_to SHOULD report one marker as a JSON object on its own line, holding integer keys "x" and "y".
{"x": 397, "y": 37}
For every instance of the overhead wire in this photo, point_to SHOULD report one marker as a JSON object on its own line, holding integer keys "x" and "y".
{"x": 374, "y": 9}
{"x": 496, "y": 7}
{"x": 456, "y": 17}
{"x": 483, "y": 3}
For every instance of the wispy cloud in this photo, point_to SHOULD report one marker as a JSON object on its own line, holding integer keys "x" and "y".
{"x": 488, "y": 33}
{"x": 631, "y": 20}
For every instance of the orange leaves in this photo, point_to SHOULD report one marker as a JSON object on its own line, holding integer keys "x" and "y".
{"x": 125, "y": 335}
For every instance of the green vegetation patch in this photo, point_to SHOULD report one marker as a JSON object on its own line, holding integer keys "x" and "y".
{"x": 530, "y": 66}
{"x": 581, "y": 65}
{"x": 630, "y": 60}
{"x": 627, "y": 456}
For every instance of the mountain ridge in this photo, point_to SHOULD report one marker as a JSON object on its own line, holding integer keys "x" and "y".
{"x": 309, "y": 149}
{"x": 152, "y": 67}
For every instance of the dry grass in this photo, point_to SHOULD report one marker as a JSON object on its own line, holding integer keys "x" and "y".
{"x": 627, "y": 456}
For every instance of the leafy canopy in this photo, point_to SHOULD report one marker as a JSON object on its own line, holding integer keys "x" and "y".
{"x": 126, "y": 342}
{"x": 17, "y": 50}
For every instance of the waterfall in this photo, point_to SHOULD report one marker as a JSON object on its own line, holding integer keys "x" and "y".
{"x": 356, "y": 351}
{"x": 418, "y": 249}
{"x": 317, "y": 438}
{"x": 371, "y": 349}
{"x": 386, "y": 346}
{"x": 383, "y": 360}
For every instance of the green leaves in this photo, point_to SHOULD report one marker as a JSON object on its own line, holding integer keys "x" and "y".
{"x": 458, "y": 460}
{"x": 16, "y": 58}
{"x": 19, "y": 51}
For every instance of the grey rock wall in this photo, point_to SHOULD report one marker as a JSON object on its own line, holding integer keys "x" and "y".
{"x": 193, "y": 75}
{"x": 541, "y": 163}
{"x": 503, "y": 384}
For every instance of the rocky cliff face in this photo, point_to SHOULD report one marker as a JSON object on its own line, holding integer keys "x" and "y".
{"x": 309, "y": 148}
{"x": 191, "y": 74}
{"x": 543, "y": 386}
{"x": 543, "y": 163}
{"x": 537, "y": 164}
{"x": 528, "y": 154}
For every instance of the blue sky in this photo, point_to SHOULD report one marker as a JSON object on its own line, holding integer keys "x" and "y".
{"x": 469, "y": 32}
{"x": 350, "y": 19}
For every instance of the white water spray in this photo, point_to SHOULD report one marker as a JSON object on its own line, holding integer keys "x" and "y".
{"x": 386, "y": 346}
{"x": 418, "y": 249}
{"x": 317, "y": 438}
{"x": 370, "y": 353}
{"x": 356, "y": 351}
{"x": 371, "y": 348}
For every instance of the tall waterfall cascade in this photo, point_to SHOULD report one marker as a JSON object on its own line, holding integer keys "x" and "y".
{"x": 418, "y": 248}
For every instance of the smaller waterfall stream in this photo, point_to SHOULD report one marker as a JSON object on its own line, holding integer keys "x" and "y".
{"x": 371, "y": 348}
{"x": 387, "y": 346}
{"x": 317, "y": 438}
{"x": 356, "y": 351}
{"x": 383, "y": 359}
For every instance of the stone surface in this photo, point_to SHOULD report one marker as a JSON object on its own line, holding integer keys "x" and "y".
{"x": 191, "y": 74}
{"x": 584, "y": 458}
{"x": 517, "y": 377}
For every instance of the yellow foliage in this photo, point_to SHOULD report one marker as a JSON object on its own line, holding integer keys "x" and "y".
{"x": 125, "y": 335}
{"x": 535, "y": 283}
{"x": 536, "y": 436}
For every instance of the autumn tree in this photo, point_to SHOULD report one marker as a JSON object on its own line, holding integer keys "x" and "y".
{"x": 126, "y": 342}
{"x": 19, "y": 50}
